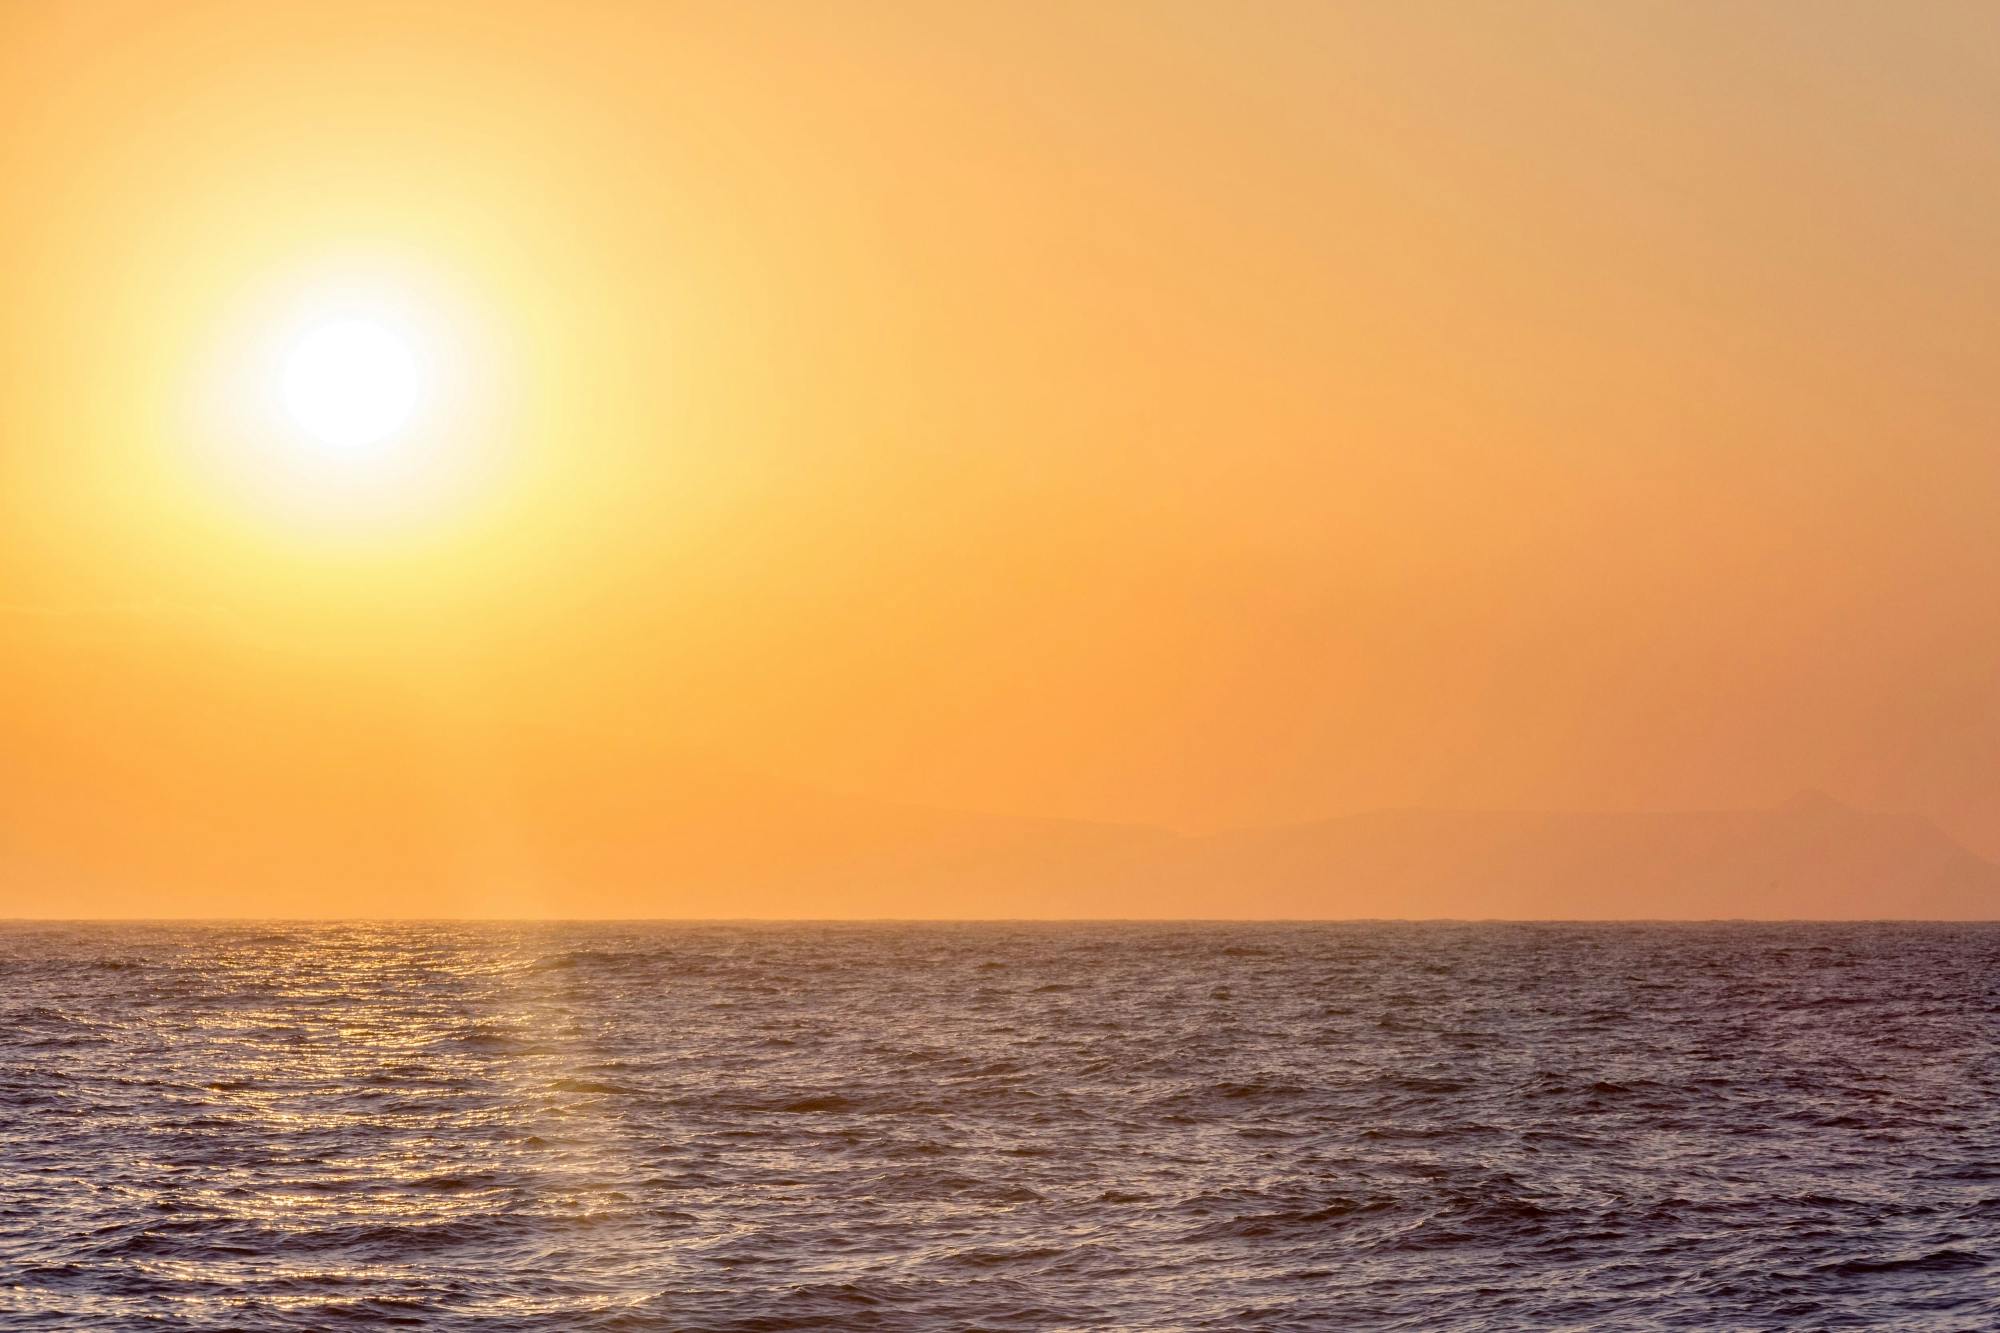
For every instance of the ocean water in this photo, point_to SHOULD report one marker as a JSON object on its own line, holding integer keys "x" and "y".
{"x": 762, "y": 1127}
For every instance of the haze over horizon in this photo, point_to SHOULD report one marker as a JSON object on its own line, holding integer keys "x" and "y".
{"x": 1185, "y": 416}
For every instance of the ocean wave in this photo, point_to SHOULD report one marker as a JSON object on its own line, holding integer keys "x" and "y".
{"x": 1000, "y": 1126}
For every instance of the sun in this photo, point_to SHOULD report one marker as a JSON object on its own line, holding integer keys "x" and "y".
{"x": 352, "y": 383}
{"x": 351, "y": 403}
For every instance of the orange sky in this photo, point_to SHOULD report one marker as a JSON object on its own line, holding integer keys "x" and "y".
{"x": 1194, "y": 414}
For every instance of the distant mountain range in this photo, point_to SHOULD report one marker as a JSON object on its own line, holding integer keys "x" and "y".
{"x": 240, "y": 832}
{"x": 181, "y": 790}
{"x": 1810, "y": 858}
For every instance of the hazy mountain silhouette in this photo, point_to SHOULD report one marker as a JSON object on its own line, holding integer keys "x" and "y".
{"x": 761, "y": 848}
{"x": 248, "y": 803}
{"x": 1811, "y": 857}
{"x": 698, "y": 844}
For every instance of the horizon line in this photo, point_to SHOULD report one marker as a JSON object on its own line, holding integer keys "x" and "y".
{"x": 994, "y": 920}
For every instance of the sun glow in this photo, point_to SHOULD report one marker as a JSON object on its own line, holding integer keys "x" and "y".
{"x": 352, "y": 383}
{"x": 345, "y": 403}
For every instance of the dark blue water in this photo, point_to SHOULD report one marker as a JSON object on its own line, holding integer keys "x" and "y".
{"x": 999, "y": 1127}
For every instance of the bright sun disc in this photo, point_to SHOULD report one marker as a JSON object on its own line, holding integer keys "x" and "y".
{"x": 351, "y": 383}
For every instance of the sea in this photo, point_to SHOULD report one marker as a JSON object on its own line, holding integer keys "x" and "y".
{"x": 659, "y": 1126}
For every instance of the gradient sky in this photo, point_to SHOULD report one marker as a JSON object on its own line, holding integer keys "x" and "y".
{"x": 1200, "y": 414}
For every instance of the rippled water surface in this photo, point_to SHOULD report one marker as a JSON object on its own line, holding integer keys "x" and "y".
{"x": 999, "y": 1126}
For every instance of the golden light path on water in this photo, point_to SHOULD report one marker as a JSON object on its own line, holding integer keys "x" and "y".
{"x": 398, "y": 1081}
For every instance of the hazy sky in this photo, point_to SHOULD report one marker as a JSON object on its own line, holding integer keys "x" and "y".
{"x": 1202, "y": 414}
